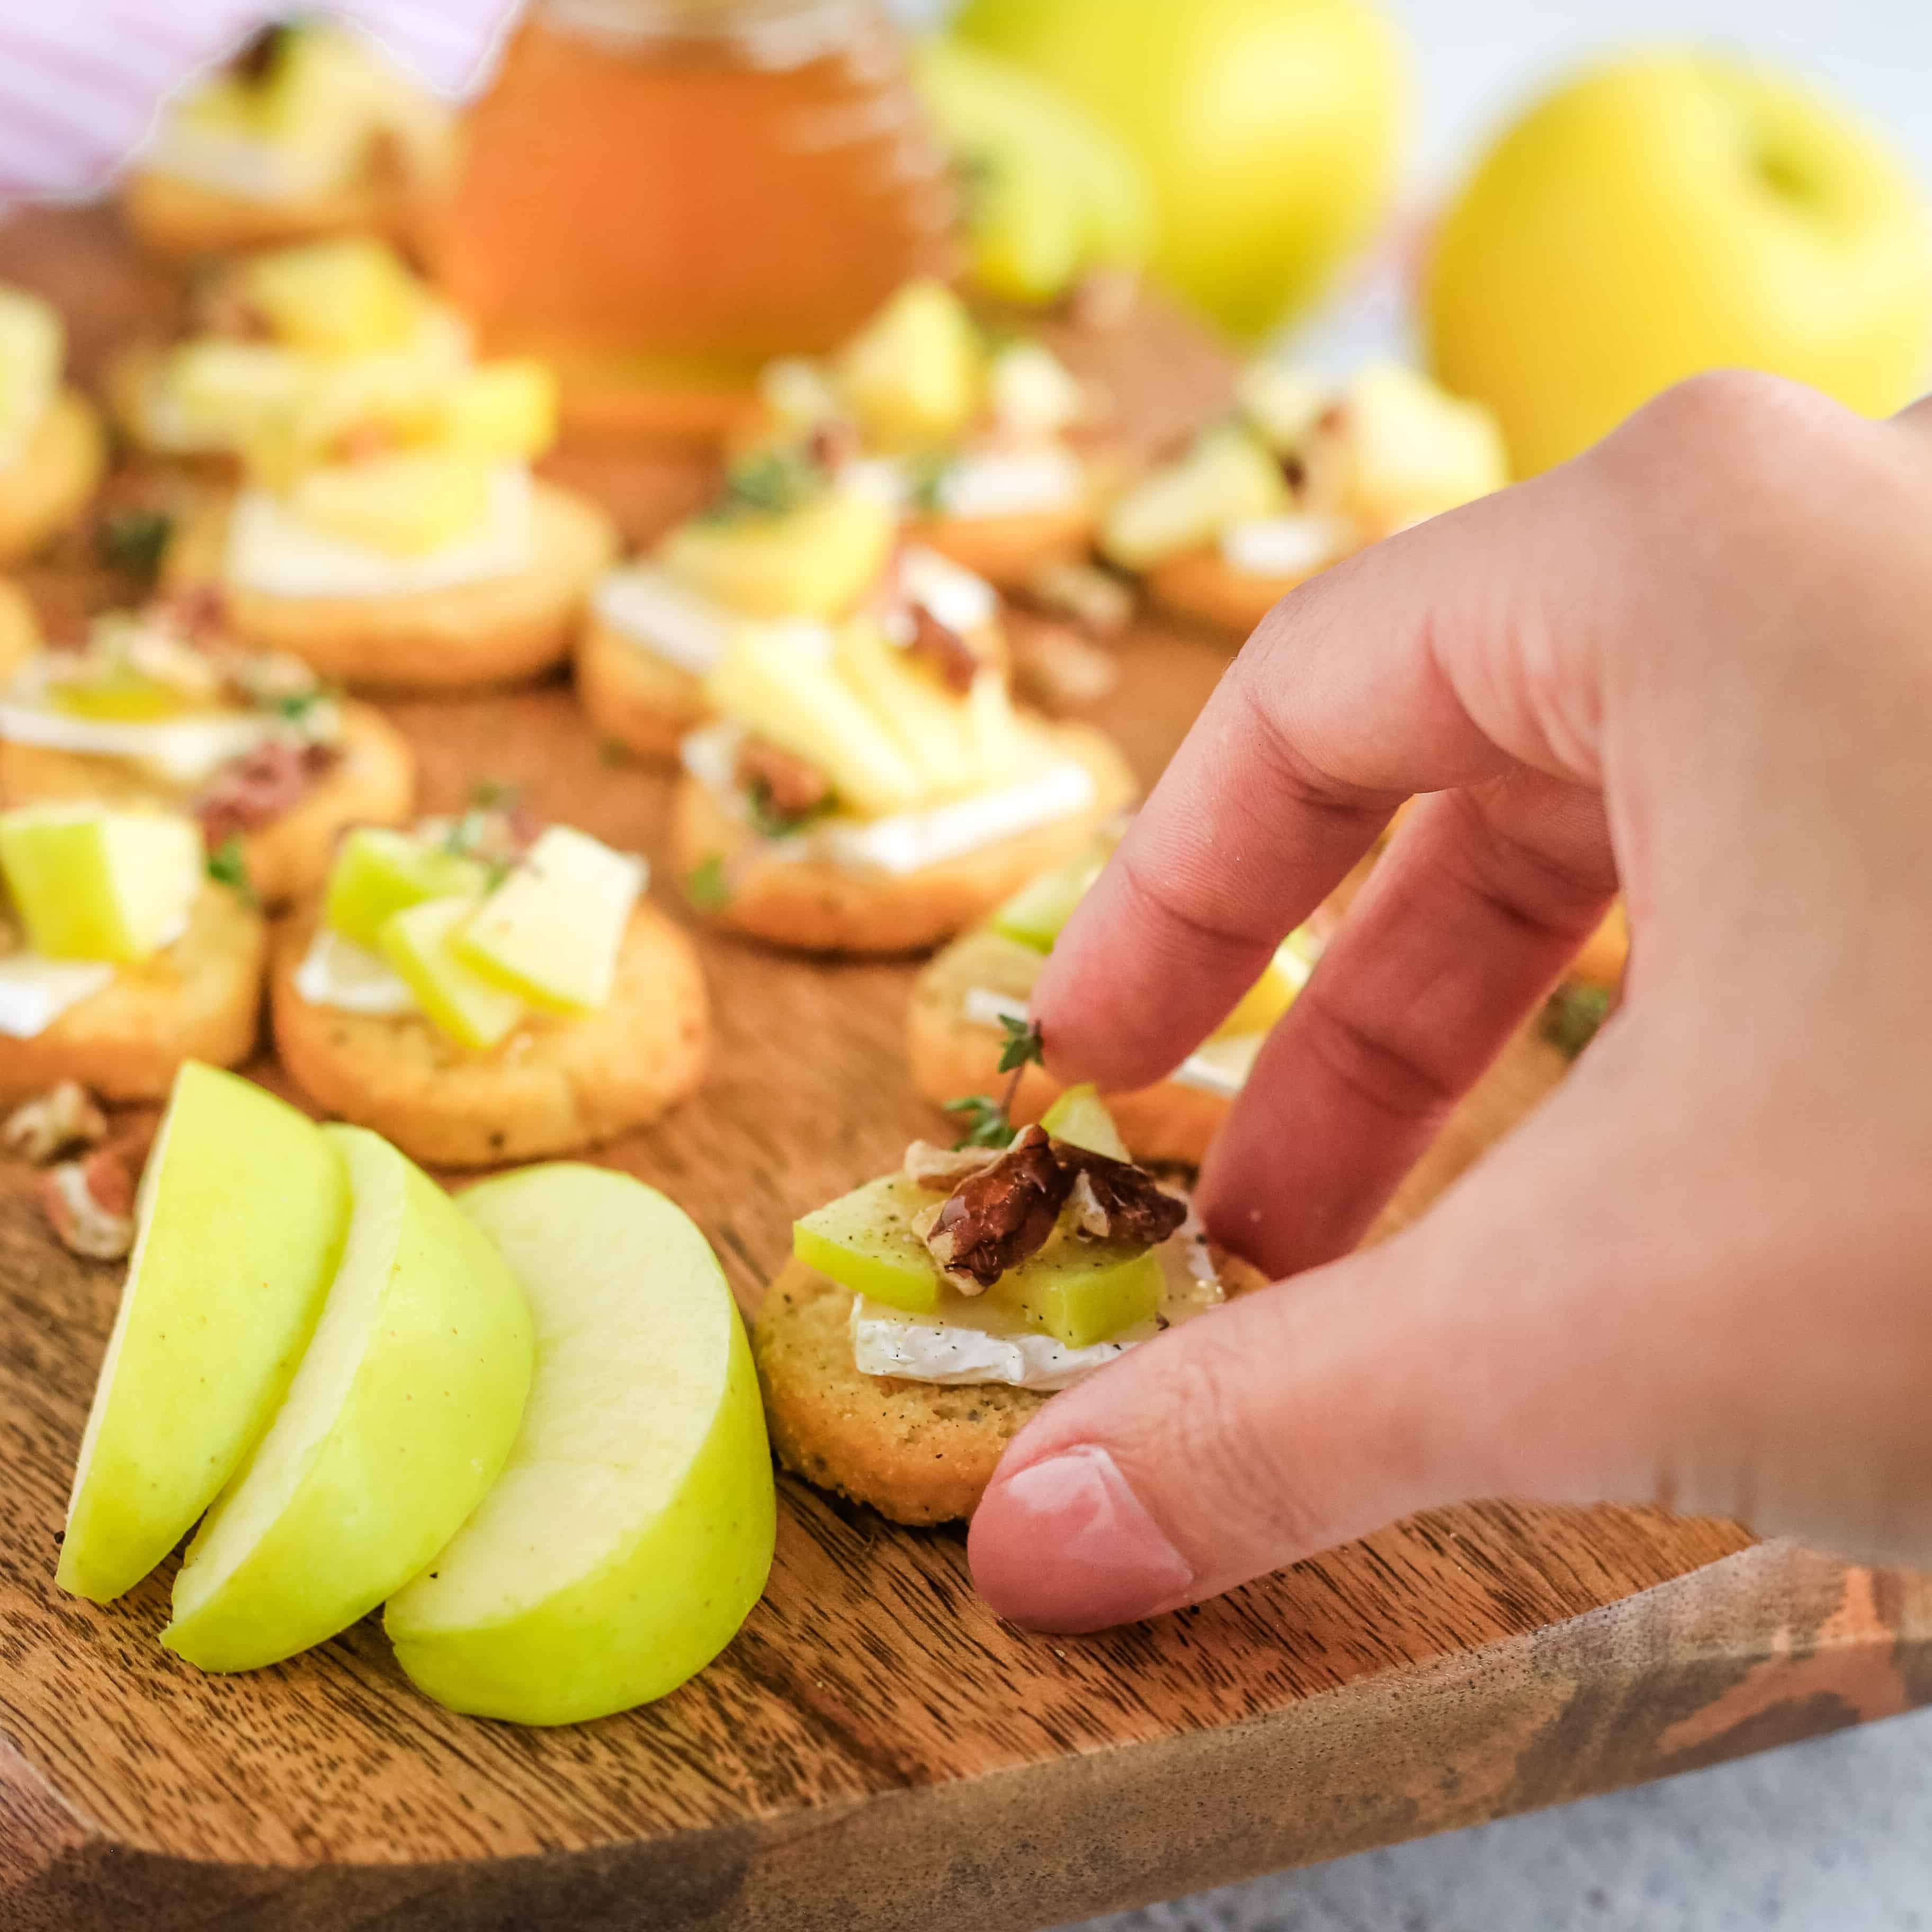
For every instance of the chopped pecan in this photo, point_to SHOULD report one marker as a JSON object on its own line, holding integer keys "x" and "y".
{"x": 942, "y": 651}
{"x": 788, "y": 786}
{"x": 833, "y": 443}
{"x": 998, "y": 1216}
{"x": 942, "y": 1169}
{"x": 52, "y": 1123}
{"x": 256, "y": 789}
{"x": 1115, "y": 1201}
{"x": 90, "y": 1205}
{"x": 1056, "y": 668}
{"x": 1096, "y": 600}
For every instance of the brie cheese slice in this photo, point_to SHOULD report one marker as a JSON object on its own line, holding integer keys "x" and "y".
{"x": 1011, "y": 482}
{"x": 1289, "y": 546}
{"x": 34, "y": 991}
{"x": 179, "y": 750}
{"x": 656, "y": 612}
{"x": 336, "y": 972}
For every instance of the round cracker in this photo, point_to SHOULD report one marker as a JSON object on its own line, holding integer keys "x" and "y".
{"x": 633, "y": 697}
{"x": 53, "y": 479}
{"x": 1007, "y": 551}
{"x": 372, "y": 783}
{"x": 1203, "y": 585}
{"x": 198, "y": 999}
{"x": 555, "y": 1086}
{"x": 181, "y": 219}
{"x": 496, "y": 631}
{"x": 816, "y": 907}
{"x": 917, "y": 1452}
{"x": 1166, "y": 1124}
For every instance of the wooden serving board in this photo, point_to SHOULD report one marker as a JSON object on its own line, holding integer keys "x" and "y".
{"x": 875, "y": 1750}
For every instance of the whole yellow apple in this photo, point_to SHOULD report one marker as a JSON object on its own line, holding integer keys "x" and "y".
{"x": 1667, "y": 213}
{"x": 1268, "y": 129}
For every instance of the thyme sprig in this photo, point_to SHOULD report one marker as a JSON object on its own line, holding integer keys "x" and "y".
{"x": 989, "y": 1122}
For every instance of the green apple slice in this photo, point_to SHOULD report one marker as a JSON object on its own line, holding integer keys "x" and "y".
{"x": 1228, "y": 476}
{"x": 378, "y": 871}
{"x": 398, "y": 1420}
{"x": 916, "y": 373}
{"x": 550, "y": 934}
{"x": 90, "y": 883}
{"x": 416, "y": 942}
{"x": 1079, "y": 1117}
{"x": 930, "y": 725}
{"x": 239, "y": 1224}
{"x": 1036, "y": 914}
{"x": 631, "y": 1531}
{"x": 1081, "y": 1292}
{"x": 864, "y": 1241}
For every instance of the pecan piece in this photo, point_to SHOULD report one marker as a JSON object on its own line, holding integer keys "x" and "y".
{"x": 91, "y": 1205}
{"x": 1085, "y": 594}
{"x": 199, "y": 612}
{"x": 942, "y": 651}
{"x": 788, "y": 786}
{"x": 53, "y": 1122}
{"x": 1057, "y": 667}
{"x": 256, "y": 789}
{"x": 942, "y": 1169}
{"x": 998, "y": 1216}
{"x": 1115, "y": 1201}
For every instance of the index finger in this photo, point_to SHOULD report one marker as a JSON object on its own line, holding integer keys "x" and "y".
{"x": 1392, "y": 674}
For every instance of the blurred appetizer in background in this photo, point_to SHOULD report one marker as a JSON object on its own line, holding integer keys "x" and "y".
{"x": 793, "y": 547}
{"x": 970, "y": 1001}
{"x": 482, "y": 989}
{"x": 121, "y": 956}
{"x": 164, "y": 707}
{"x": 52, "y": 450}
{"x": 308, "y": 130}
{"x": 970, "y": 436}
{"x": 388, "y": 530}
{"x": 925, "y": 1317}
{"x": 1300, "y": 476}
{"x": 873, "y": 789}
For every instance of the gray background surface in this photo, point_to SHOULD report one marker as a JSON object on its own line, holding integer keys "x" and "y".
{"x": 1831, "y": 1836}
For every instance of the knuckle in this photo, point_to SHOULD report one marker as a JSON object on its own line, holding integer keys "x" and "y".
{"x": 1375, "y": 1067}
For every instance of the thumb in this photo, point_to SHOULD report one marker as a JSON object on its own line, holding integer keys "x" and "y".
{"x": 1484, "y": 1351}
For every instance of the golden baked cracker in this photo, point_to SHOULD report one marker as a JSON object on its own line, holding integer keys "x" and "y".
{"x": 555, "y": 1086}
{"x": 496, "y": 630}
{"x": 818, "y": 908}
{"x": 949, "y": 1055}
{"x": 55, "y": 478}
{"x": 198, "y": 999}
{"x": 633, "y": 697}
{"x": 373, "y": 783}
{"x": 917, "y": 1452}
{"x": 1203, "y": 585}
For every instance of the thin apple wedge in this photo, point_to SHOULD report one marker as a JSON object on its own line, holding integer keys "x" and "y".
{"x": 240, "y": 1223}
{"x": 631, "y": 1531}
{"x": 397, "y": 1422}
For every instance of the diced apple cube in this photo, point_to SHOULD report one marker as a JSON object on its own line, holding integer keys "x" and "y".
{"x": 817, "y": 560}
{"x": 551, "y": 931}
{"x": 1081, "y": 1292}
{"x": 1274, "y": 993}
{"x": 1281, "y": 402}
{"x": 864, "y": 1241}
{"x": 1403, "y": 449}
{"x": 1036, "y": 914}
{"x": 500, "y": 410}
{"x": 91, "y": 883}
{"x": 378, "y": 871}
{"x": 461, "y": 1002}
{"x": 1079, "y": 1117}
{"x": 916, "y": 373}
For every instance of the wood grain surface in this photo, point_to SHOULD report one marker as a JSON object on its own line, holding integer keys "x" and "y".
{"x": 875, "y": 1750}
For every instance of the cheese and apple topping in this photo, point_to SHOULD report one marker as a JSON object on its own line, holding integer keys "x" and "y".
{"x": 899, "y": 842}
{"x": 471, "y": 923}
{"x": 317, "y": 541}
{"x": 33, "y": 347}
{"x": 1008, "y": 481}
{"x": 1292, "y": 545}
{"x": 686, "y": 628}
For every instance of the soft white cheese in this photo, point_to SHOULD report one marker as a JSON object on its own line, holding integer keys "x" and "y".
{"x": 179, "y": 751}
{"x": 1219, "y": 1067}
{"x": 960, "y": 601}
{"x": 35, "y": 992}
{"x": 1032, "y": 392}
{"x": 336, "y": 972}
{"x": 272, "y": 551}
{"x": 884, "y": 478}
{"x": 977, "y": 1339}
{"x": 1011, "y": 482}
{"x": 683, "y": 626}
{"x": 1287, "y": 546}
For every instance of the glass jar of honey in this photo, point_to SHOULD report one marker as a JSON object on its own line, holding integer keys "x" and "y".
{"x": 660, "y": 195}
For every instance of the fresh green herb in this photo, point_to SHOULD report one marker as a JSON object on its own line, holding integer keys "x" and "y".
{"x": 295, "y": 706}
{"x": 1024, "y": 1046}
{"x": 985, "y": 1120}
{"x": 772, "y": 824}
{"x": 927, "y": 481}
{"x": 708, "y": 889}
{"x": 1573, "y": 1014}
{"x": 769, "y": 485}
{"x": 228, "y": 865}
{"x": 135, "y": 540}
{"x": 989, "y": 1122}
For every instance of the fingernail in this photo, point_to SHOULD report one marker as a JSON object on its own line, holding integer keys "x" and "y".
{"x": 1066, "y": 1545}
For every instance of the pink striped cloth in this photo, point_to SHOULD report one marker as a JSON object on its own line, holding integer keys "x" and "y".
{"x": 80, "y": 79}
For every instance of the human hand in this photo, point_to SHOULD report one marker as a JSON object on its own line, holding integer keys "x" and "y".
{"x": 1697, "y": 663}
